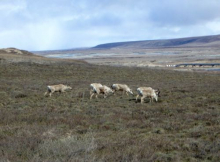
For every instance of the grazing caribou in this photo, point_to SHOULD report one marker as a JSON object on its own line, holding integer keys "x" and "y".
{"x": 56, "y": 88}
{"x": 148, "y": 92}
{"x": 97, "y": 88}
{"x": 121, "y": 87}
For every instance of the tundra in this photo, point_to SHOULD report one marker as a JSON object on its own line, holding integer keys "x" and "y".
{"x": 97, "y": 88}
{"x": 121, "y": 87}
{"x": 56, "y": 88}
{"x": 148, "y": 92}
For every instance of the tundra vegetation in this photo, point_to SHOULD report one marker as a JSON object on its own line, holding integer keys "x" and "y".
{"x": 184, "y": 125}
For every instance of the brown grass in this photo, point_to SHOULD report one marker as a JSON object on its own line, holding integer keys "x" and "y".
{"x": 183, "y": 126}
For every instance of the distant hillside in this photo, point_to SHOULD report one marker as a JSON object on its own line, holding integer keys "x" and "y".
{"x": 12, "y": 55}
{"x": 15, "y": 51}
{"x": 212, "y": 41}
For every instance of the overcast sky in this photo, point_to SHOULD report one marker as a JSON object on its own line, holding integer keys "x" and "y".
{"x": 64, "y": 24}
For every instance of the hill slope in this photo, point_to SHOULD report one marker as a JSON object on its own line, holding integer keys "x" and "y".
{"x": 14, "y": 51}
{"x": 180, "y": 42}
{"x": 17, "y": 55}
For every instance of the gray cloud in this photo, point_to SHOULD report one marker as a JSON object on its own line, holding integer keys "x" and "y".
{"x": 62, "y": 24}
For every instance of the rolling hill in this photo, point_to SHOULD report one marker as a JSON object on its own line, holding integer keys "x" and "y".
{"x": 17, "y": 55}
{"x": 202, "y": 41}
{"x": 203, "y": 49}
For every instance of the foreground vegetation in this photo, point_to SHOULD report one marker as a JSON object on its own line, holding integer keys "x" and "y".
{"x": 183, "y": 126}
